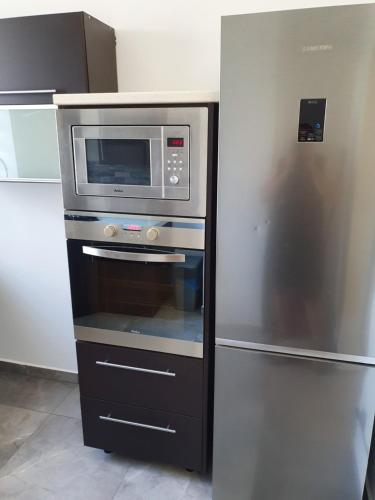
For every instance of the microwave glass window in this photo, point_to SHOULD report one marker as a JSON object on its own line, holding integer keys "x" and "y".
{"x": 118, "y": 161}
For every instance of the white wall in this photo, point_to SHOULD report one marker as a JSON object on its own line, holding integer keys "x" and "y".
{"x": 35, "y": 317}
{"x": 161, "y": 45}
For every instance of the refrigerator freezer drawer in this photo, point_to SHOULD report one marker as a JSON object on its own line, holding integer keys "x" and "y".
{"x": 290, "y": 427}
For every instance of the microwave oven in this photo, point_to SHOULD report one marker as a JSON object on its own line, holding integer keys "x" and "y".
{"x": 146, "y": 160}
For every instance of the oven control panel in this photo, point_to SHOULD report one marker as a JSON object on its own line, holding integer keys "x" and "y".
{"x": 136, "y": 230}
{"x": 176, "y": 156}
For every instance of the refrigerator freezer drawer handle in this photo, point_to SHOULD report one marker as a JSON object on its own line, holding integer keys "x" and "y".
{"x": 136, "y": 369}
{"x": 137, "y": 424}
{"x": 134, "y": 256}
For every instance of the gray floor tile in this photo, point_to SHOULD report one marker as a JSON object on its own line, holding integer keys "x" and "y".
{"x": 145, "y": 481}
{"x": 55, "y": 461}
{"x": 199, "y": 488}
{"x": 16, "y": 425}
{"x": 32, "y": 392}
{"x": 12, "y": 488}
{"x": 70, "y": 407}
{"x": 35, "y": 371}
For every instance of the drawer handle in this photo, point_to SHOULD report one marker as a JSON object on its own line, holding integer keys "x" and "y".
{"x": 36, "y": 91}
{"x": 137, "y": 424}
{"x": 136, "y": 369}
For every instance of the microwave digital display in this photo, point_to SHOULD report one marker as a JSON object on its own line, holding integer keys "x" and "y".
{"x": 175, "y": 142}
{"x": 118, "y": 161}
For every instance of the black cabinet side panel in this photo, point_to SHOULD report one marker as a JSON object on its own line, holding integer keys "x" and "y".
{"x": 101, "y": 55}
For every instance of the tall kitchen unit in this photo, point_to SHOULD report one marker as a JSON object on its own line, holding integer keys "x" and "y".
{"x": 295, "y": 301}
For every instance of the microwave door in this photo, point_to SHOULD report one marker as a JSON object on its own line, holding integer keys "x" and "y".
{"x": 124, "y": 163}
{"x": 135, "y": 162}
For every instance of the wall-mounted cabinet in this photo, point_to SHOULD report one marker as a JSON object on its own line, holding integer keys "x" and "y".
{"x": 28, "y": 145}
{"x": 40, "y": 55}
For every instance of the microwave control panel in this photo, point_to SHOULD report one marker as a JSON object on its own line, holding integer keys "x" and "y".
{"x": 176, "y": 156}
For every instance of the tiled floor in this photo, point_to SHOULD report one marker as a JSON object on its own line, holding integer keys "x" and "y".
{"x": 42, "y": 456}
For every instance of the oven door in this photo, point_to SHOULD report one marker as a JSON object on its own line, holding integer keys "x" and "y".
{"x": 138, "y": 296}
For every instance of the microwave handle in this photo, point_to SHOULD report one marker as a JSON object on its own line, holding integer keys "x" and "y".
{"x": 133, "y": 256}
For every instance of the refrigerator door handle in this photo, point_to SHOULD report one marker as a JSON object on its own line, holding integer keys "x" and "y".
{"x": 296, "y": 351}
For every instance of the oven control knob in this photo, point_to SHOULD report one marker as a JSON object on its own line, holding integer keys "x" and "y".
{"x": 152, "y": 233}
{"x": 110, "y": 230}
{"x": 174, "y": 179}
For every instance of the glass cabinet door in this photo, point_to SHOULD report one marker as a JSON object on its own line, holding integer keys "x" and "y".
{"x": 28, "y": 145}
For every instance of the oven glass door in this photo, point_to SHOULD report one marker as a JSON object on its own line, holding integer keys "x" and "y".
{"x": 138, "y": 296}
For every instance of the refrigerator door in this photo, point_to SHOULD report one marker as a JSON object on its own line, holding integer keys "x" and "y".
{"x": 296, "y": 194}
{"x": 290, "y": 428}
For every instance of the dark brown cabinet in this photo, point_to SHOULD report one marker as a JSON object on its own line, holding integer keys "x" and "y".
{"x": 70, "y": 52}
{"x": 142, "y": 403}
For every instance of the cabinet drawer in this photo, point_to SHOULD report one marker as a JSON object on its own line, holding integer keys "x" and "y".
{"x": 144, "y": 378}
{"x": 142, "y": 433}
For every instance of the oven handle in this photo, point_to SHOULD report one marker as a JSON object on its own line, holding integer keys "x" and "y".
{"x": 134, "y": 256}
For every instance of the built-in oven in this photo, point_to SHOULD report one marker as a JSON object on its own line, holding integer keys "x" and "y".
{"x": 138, "y": 281}
{"x": 148, "y": 160}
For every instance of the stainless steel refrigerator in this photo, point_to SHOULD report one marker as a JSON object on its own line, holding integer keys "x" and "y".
{"x": 295, "y": 301}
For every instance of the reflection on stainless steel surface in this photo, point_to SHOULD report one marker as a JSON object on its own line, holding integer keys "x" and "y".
{"x": 289, "y": 428}
{"x": 301, "y": 223}
{"x": 147, "y": 342}
{"x": 299, "y": 199}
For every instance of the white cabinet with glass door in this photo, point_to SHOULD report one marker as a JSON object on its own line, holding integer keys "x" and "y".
{"x": 28, "y": 144}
